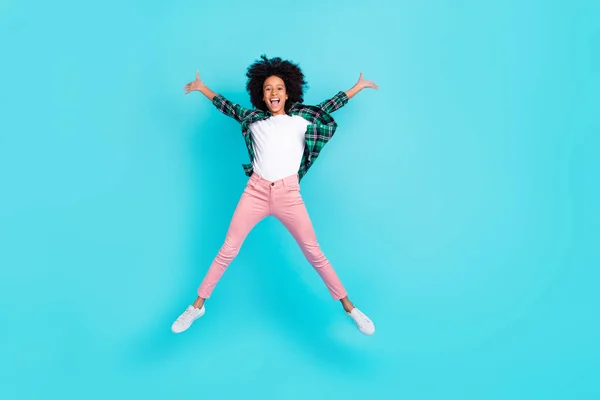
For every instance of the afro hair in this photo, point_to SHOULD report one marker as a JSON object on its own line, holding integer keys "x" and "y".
{"x": 290, "y": 73}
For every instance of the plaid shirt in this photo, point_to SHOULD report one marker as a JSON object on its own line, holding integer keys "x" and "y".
{"x": 318, "y": 133}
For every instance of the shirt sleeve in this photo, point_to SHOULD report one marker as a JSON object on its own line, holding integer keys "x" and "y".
{"x": 335, "y": 103}
{"x": 230, "y": 109}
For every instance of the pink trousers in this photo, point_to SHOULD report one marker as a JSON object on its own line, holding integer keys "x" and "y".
{"x": 281, "y": 199}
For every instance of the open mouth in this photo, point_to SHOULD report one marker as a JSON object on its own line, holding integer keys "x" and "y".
{"x": 274, "y": 102}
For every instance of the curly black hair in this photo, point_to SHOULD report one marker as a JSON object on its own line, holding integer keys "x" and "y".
{"x": 290, "y": 73}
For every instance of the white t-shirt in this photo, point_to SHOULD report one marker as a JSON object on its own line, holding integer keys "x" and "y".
{"x": 278, "y": 145}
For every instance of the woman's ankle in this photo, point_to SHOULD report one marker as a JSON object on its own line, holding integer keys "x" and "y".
{"x": 199, "y": 303}
{"x": 347, "y": 304}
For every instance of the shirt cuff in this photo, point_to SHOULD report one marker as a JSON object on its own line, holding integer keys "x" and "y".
{"x": 341, "y": 99}
{"x": 218, "y": 100}
{"x": 342, "y": 96}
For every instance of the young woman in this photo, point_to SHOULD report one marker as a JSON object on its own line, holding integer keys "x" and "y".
{"x": 284, "y": 138}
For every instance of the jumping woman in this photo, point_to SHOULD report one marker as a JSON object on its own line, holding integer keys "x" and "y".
{"x": 283, "y": 137}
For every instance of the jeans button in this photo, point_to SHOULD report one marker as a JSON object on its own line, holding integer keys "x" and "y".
{"x": 272, "y": 183}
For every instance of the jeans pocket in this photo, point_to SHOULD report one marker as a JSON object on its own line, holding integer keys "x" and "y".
{"x": 250, "y": 185}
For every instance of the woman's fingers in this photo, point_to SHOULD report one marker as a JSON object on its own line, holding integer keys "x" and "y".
{"x": 370, "y": 84}
{"x": 366, "y": 83}
{"x": 192, "y": 85}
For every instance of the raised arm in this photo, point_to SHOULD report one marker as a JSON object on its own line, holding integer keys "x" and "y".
{"x": 225, "y": 106}
{"x": 342, "y": 98}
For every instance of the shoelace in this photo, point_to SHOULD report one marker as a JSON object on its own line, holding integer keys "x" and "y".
{"x": 356, "y": 317}
{"x": 186, "y": 314}
{"x": 361, "y": 320}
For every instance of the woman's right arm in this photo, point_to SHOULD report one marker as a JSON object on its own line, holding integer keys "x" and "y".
{"x": 228, "y": 108}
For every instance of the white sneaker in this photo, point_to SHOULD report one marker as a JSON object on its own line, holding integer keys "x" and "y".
{"x": 185, "y": 320}
{"x": 363, "y": 323}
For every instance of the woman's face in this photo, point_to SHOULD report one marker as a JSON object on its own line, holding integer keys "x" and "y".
{"x": 275, "y": 95}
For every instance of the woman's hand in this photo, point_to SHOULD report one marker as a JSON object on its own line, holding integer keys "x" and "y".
{"x": 195, "y": 85}
{"x": 199, "y": 86}
{"x": 364, "y": 84}
{"x": 360, "y": 85}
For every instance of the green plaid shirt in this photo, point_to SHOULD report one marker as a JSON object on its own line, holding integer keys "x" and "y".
{"x": 318, "y": 133}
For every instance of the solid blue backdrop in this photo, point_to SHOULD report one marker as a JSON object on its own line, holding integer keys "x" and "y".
{"x": 459, "y": 203}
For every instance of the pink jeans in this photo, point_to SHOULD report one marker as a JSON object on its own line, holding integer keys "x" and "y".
{"x": 281, "y": 199}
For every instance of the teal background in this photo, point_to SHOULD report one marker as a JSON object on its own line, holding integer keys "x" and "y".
{"x": 459, "y": 203}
